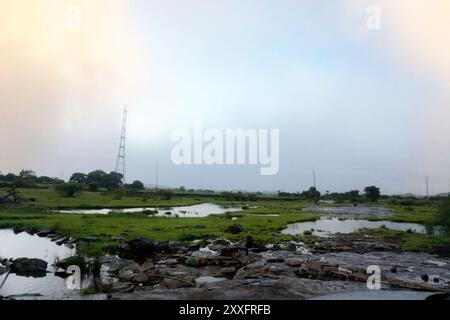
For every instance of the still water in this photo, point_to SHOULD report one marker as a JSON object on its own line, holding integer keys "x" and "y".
{"x": 328, "y": 226}
{"x": 198, "y": 210}
{"x": 24, "y": 245}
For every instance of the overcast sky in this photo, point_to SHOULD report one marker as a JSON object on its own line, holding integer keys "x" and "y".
{"x": 360, "y": 106}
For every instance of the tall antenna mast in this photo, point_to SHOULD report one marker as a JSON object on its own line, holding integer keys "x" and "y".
{"x": 314, "y": 178}
{"x": 120, "y": 162}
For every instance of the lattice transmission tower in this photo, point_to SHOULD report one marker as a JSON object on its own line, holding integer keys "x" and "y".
{"x": 120, "y": 162}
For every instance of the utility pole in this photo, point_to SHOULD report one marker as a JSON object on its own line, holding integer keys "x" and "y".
{"x": 157, "y": 175}
{"x": 426, "y": 182}
{"x": 120, "y": 162}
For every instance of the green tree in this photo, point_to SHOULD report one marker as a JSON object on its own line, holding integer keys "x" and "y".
{"x": 27, "y": 175}
{"x": 136, "y": 185}
{"x": 96, "y": 177}
{"x": 312, "y": 194}
{"x": 372, "y": 193}
{"x": 78, "y": 177}
{"x": 443, "y": 217}
{"x": 353, "y": 196}
{"x": 113, "y": 180}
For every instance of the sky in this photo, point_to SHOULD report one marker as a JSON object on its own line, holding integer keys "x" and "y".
{"x": 360, "y": 106}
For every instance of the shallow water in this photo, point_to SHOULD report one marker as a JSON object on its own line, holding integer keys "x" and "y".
{"x": 208, "y": 279}
{"x": 198, "y": 210}
{"x": 328, "y": 226}
{"x": 31, "y": 246}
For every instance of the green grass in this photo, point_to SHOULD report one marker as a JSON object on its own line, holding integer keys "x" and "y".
{"x": 48, "y": 198}
{"x": 156, "y": 228}
{"x": 33, "y": 213}
{"x": 411, "y": 241}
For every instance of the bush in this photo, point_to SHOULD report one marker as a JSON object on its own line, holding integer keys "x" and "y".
{"x": 443, "y": 217}
{"x": 69, "y": 189}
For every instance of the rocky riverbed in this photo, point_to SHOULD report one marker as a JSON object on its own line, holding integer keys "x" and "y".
{"x": 219, "y": 269}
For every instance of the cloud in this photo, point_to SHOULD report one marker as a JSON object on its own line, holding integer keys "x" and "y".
{"x": 57, "y": 75}
{"x": 414, "y": 34}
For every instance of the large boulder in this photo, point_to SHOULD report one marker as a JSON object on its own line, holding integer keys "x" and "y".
{"x": 73, "y": 261}
{"x": 237, "y": 253}
{"x": 176, "y": 283}
{"x": 138, "y": 249}
{"x": 29, "y": 267}
{"x": 170, "y": 247}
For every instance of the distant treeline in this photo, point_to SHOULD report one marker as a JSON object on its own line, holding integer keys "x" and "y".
{"x": 100, "y": 180}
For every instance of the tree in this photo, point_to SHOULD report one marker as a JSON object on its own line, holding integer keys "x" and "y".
{"x": 443, "y": 217}
{"x": 27, "y": 174}
{"x": 136, "y": 185}
{"x": 353, "y": 195}
{"x": 312, "y": 194}
{"x": 372, "y": 193}
{"x": 78, "y": 177}
{"x": 113, "y": 180}
{"x": 69, "y": 189}
{"x": 96, "y": 177}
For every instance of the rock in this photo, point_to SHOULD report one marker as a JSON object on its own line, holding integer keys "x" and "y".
{"x": 62, "y": 240}
{"x": 120, "y": 287}
{"x": 17, "y": 230}
{"x": 394, "y": 269}
{"x": 141, "y": 277}
{"x": 29, "y": 267}
{"x": 43, "y": 233}
{"x": 192, "y": 262}
{"x": 221, "y": 242}
{"x": 91, "y": 239}
{"x": 249, "y": 242}
{"x": 320, "y": 270}
{"x": 169, "y": 262}
{"x": 72, "y": 261}
{"x": 147, "y": 266}
{"x": 170, "y": 247}
{"x": 171, "y": 283}
{"x": 294, "y": 262}
{"x": 228, "y": 271}
{"x": 235, "y": 229}
{"x": 138, "y": 248}
{"x": 425, "y": 277}
{"x": 237, "y": 253}
{"x": 3, "y": 270}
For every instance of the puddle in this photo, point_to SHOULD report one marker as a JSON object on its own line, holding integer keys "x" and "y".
{"x": 351, "y": 210}
{"x": 198, "y": 210}
{"x": 328, "y": 226}
{"x": 207, "y": 279}
{"x": 31, "y": 246}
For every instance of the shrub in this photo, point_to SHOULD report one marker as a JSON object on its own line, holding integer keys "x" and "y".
{"x": 69, "y": 189}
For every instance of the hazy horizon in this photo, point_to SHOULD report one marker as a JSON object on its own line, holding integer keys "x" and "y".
{"x": 361, "y": 107}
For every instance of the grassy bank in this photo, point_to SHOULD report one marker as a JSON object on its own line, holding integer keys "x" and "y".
{"x": 263, "y": 218}
{"x": 157, "y": 228}
{"x": 416, "y": 242}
